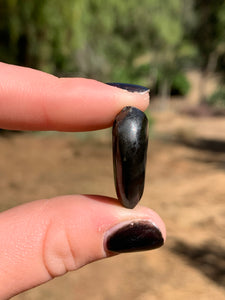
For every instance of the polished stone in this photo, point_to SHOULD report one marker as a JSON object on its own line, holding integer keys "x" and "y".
{"x": 130, "y": 142}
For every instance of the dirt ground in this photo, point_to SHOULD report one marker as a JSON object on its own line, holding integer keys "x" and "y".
{"x": 184, "y": 184}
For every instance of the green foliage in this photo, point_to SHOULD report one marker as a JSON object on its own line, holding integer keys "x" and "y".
{"x": 41, "y": 34}
{"x": 112, "y": 40}
{"x": 217, "y": 99}
{"x": 208, "y": 33}
{"x": 180, "y": 85}
{"x": 92, "y": 36}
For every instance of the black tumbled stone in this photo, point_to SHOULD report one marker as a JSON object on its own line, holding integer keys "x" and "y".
{"x": 130, "y": 143}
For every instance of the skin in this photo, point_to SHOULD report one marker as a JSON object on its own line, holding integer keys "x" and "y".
{"x": 47, "y": 238}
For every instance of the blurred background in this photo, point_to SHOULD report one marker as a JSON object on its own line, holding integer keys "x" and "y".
{"x": 175, "y": 47}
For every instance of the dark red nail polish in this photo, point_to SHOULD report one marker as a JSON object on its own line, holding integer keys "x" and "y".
{"x": 129, "y": 87}
{"x": 136, "y": 236}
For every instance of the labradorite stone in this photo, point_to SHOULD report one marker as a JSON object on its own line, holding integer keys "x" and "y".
{"x": 130, "y": 142}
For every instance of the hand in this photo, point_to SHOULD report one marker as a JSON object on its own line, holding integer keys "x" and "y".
{"x": 44, "y": 239}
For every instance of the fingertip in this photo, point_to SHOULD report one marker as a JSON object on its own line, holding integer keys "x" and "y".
{"x": 34, "y": 100}
{"x": 126, "y": 95}
{"x": 155, "y": 218}
{"x": 159, "y": 223}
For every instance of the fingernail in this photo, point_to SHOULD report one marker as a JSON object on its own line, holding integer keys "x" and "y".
{"x": 130, "y": 87}
{"x": 135, "y": 236}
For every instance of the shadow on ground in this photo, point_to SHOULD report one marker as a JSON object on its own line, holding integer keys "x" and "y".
{"x": 8, "y": 133}
{"x": 206, "y": 144}
{"x": 218, "y": 163}
{"x": 208, "y": 258}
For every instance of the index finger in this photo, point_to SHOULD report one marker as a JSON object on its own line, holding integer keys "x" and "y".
{"x": 34, "y": 100}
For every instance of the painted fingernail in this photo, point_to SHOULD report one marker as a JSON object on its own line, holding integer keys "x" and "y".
{"x": 135, "y": 236}
{"x": 130, "y": 87}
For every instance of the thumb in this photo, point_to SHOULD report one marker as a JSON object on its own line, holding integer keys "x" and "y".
{"x": 47, "y": 238}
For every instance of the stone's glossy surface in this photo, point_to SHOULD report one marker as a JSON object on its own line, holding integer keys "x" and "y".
{"x": 130, "y": 142}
